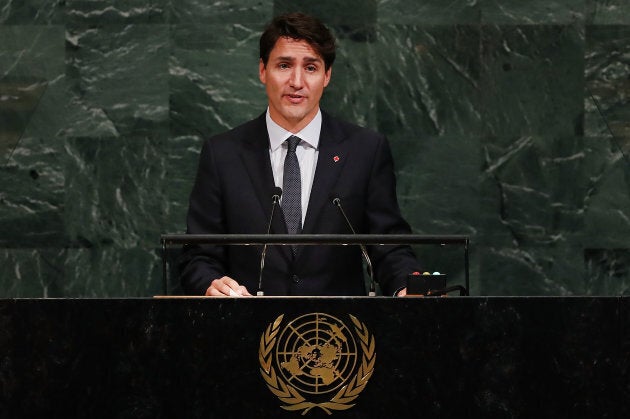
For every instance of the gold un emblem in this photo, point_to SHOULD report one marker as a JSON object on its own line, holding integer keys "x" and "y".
{"x": 316, "y": 361}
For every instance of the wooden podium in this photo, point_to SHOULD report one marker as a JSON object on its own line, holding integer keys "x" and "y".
{"x": 362, "y": 357}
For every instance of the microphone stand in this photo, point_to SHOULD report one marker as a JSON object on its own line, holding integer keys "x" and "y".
{"x": 275, "y": 199}
{"x": 372, "y": 292}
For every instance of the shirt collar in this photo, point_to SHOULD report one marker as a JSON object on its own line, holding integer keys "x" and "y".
{"x": 309, "y": 134}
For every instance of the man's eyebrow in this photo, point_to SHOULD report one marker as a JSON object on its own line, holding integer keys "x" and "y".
{"x": 291, "y": 59}
{"x": 285, "y": 58}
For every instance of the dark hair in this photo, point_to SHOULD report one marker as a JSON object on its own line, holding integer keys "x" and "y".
{"x": 299, "y": 26}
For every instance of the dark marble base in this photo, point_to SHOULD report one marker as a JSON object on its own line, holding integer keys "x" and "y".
{"x": 444, "y": 357}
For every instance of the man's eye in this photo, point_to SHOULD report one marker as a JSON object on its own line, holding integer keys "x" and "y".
{"x": 283, "y": 66}
{"x": 311, "y": 68}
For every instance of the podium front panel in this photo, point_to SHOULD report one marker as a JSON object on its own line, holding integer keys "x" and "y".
{"x": 317, "y": 357}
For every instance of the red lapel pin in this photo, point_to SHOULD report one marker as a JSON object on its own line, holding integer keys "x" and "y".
{"x": 336, "y": 159}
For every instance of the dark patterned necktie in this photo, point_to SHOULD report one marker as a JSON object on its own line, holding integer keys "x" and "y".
{"x": 292, "y": 190}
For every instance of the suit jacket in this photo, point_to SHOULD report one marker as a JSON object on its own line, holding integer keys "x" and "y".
{"x": 233, "y": 194}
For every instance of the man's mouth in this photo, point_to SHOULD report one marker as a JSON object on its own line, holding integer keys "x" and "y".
{"x": 295, "y": 98}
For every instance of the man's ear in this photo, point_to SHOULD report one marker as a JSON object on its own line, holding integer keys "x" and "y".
{"x": 327, "y": 76}
{"x": 262, "y": 72}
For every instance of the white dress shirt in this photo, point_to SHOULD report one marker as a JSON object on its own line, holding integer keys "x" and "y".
{"x": 307, "y": 151}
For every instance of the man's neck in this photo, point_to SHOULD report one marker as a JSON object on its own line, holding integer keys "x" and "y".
{"x": 309, "y": 134}
{"x": 293, "y": 126}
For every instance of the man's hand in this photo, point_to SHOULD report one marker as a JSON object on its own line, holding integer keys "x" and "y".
{"x": 402, "y": 293}
{"x": 226, "y": 286}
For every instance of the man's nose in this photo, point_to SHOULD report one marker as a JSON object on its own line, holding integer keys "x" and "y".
{"x": 296, "y": 78}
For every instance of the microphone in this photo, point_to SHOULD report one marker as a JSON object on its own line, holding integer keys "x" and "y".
{"x": 277, "y": 193}
{"x": 337, "y": 202}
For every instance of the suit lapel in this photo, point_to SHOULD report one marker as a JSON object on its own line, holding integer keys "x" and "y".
{"x": 255, "y": 156}
{"x": 330, "y": 161}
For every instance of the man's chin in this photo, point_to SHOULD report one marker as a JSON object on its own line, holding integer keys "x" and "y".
{"x": 294, "y": 115}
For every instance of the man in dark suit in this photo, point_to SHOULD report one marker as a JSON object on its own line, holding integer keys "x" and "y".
{"x": 314, "y": 158}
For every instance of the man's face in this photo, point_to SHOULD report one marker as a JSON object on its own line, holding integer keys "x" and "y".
{"x": 294, "y": 78}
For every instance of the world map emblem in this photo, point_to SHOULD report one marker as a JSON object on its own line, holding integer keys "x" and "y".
{"x": 317, "y": 361}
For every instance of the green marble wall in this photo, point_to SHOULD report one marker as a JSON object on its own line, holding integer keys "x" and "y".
{"x": 488, "y": 106}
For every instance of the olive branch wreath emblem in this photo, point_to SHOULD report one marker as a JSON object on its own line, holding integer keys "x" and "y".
{"x": 343, "y": 399}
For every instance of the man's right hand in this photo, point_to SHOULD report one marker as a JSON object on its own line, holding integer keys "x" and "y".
{"x": 226, "y": 286}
